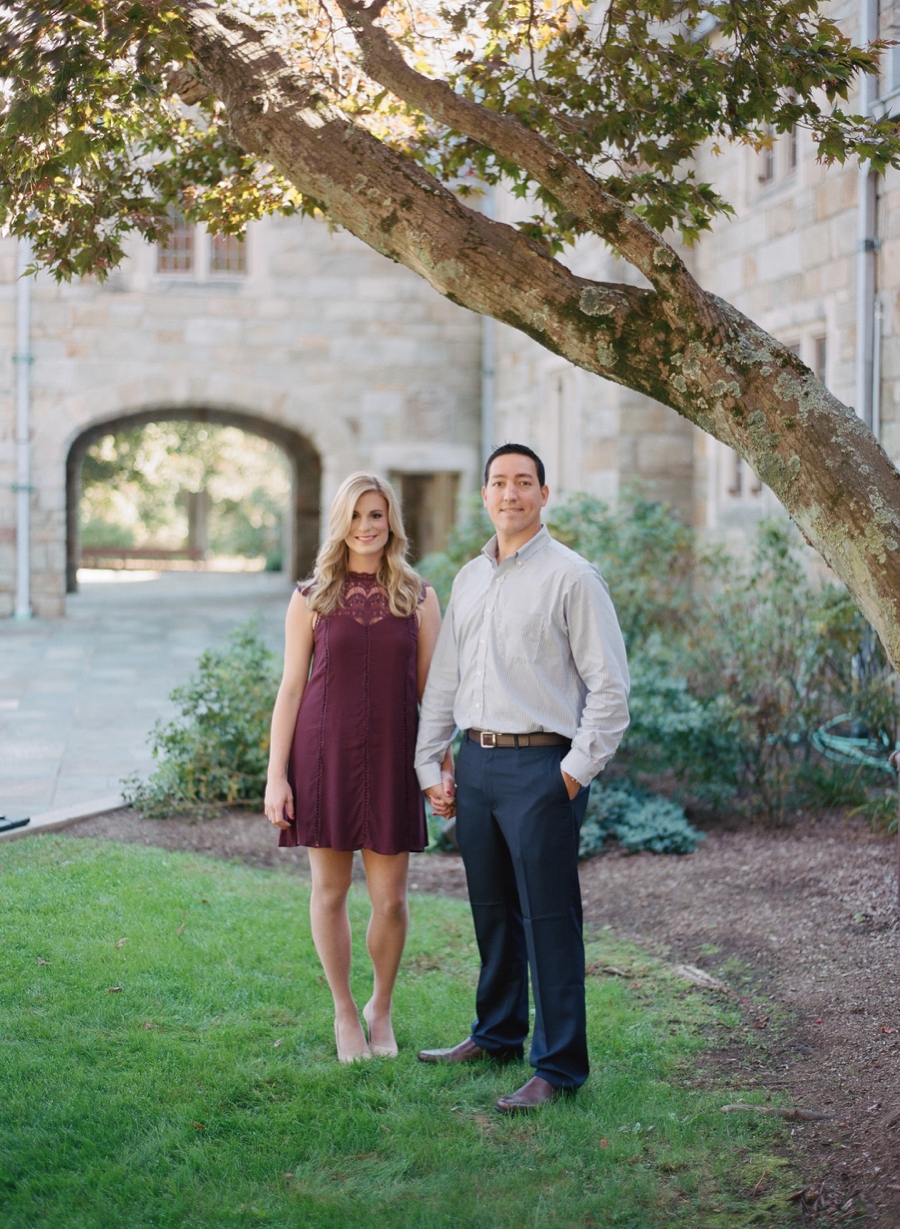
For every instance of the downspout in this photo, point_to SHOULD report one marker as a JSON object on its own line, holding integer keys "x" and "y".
{"x": 488, "y": 442}
{"x": 867, "y": 243}
{"x": 876, "y": 368}
{"x": 23, "y": 359}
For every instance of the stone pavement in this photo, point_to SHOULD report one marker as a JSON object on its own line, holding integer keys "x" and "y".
{"x": 79, "y": 695}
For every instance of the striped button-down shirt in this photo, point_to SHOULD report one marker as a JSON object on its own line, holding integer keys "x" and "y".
{"x": 530, "y": 644}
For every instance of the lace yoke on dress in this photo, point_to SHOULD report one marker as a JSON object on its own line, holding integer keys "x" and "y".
{"x": 363, "y": 599}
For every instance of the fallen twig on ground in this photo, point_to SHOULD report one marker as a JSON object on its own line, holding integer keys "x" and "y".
{"x": 698, "y": 977}
{"x": 792, "y": 1113}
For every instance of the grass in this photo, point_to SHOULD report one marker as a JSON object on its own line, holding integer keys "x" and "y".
{"x": 185, "y": 1076}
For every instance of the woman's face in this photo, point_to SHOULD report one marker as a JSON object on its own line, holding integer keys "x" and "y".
{"x": 369, "y": 529}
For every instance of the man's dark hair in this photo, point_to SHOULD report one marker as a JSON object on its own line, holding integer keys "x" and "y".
{"x": 519, "y": 449}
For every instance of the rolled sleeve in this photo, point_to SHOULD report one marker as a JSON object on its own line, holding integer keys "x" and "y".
{"x": 598, "y": 653}
{"x": 436, "y": 722}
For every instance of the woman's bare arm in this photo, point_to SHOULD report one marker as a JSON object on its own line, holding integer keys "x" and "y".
{"x": 298, "y": 649}
{"x": 429, "y": 630}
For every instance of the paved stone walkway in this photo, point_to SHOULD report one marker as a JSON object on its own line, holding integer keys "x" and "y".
{"x": 79, "y": 695}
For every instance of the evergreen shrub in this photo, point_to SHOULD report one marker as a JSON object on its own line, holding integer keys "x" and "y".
{"x": 638, "y": 820}
{"x": 215, "y": 751}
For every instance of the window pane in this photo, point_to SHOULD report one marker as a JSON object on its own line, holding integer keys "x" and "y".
{"x": 767, "y": 159}
{"x": 821, "y": 358}
{"x": 229, "y": 254}
{"x": 176, "y": 255}
{"x": 792, "y": 149}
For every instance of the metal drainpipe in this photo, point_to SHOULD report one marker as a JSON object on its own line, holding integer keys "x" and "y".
{"x": 488, "y": 442}
{"x": 878, "y": 319}
{"x": 867, "y": 243}
{"x": 23, "y": 359}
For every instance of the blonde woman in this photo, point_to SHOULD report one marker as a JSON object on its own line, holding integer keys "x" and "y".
{"x": 341, "y": 772}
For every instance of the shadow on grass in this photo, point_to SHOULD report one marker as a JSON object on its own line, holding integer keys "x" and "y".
{"x": 167, "y": 1060}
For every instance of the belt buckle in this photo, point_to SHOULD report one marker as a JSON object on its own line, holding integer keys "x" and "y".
{"x": 484, "y": 736}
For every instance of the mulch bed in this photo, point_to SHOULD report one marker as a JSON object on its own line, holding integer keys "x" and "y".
{"x": 800, "y": 924}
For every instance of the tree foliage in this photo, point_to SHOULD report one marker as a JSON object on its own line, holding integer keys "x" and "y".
{"x": 97, "y": 139}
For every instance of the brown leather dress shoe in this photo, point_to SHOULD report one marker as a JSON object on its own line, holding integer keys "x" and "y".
{"x": 466, "y": 1052}
{"x": 536, "y": 1092}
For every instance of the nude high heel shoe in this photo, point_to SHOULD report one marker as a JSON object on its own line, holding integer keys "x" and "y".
{"x": 379, "y": 1051}
{"x": 347, "y": 1056}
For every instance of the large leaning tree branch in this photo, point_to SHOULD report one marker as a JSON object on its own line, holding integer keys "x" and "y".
{"x": 746, "y": 389}
{"x": 626, "y": 233}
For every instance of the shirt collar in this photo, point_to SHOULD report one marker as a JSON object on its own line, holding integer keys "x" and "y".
{"x": 531, "y": 547}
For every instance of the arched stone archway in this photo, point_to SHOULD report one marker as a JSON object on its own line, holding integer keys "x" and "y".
{"x": 306, "y": 473}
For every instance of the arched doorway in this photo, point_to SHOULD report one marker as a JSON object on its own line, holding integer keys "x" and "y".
{"x": 306, "y": 475}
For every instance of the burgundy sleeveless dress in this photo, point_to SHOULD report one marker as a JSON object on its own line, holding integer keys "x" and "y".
{"x": 351, "y": 764}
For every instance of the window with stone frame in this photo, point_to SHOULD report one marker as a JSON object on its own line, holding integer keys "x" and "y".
{"x": 228, "y": 254}
{"x": 177, "y": 253}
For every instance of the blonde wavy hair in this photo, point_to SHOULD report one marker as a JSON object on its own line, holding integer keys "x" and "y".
{"x": 401, "y": 584}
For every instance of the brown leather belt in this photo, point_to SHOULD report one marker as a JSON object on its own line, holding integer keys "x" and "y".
{"x": 488, "y": 739}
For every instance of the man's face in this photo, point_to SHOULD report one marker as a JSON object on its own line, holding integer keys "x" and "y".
{"x": 513, "y": 496}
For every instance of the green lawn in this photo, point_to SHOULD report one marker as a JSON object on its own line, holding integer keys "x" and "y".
{"x": 203, "y": 1090}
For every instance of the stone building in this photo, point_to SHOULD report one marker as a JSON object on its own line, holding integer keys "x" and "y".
{"x": 345, "y": 360}
{"x": 300, "y": 335}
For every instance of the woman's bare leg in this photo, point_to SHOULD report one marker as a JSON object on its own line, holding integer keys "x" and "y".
{"x": 386, "y": 877}
{"x": 331, "y": 875}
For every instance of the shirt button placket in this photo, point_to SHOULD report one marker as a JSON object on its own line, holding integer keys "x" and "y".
{"x": 482, "y": 650}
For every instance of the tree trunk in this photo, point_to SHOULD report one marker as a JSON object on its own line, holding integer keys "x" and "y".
{"x": 731, "y": 378}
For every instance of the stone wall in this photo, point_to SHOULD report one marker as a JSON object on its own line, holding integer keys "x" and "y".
{"x": 321, "y": 338}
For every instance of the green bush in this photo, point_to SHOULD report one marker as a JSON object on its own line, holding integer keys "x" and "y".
{"x": 216, "y": 750}
{"x": 734, "y": 663}
{"x": 644, "y": 552}
{"x": 775, "y": 648}
{"x": 637, "y": 819}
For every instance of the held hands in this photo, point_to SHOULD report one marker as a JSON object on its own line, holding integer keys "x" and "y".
{"x": 279, "y": 803}
{"x": 443, "y": 797}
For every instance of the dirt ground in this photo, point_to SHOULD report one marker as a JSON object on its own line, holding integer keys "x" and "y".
{"x": 799, "y": 924}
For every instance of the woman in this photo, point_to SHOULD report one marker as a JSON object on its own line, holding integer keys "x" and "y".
{"x": 341, "y": 772}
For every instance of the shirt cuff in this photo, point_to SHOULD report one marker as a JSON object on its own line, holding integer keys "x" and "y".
{"x": 429, "y": 774}
{"x": 577, "y": 765}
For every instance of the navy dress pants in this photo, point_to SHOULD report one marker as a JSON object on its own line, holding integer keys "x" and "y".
{"x": 518, "y": 836}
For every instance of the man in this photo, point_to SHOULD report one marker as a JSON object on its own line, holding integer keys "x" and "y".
{"x": 531, "y": 665}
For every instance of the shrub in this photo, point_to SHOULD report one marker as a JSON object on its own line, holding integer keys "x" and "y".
{"x": 774, "y": 650}
{"x": 644, "y": 552}
{"x": 734, "y": 664}
{"x": 694, "y": 737}
{"x": 637, "y": 819}
{"x": 216, "y": 750}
